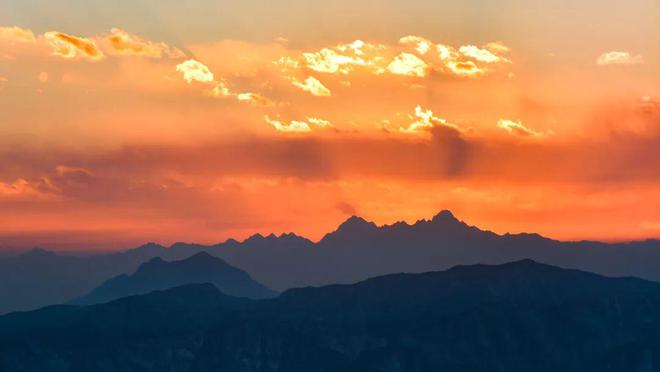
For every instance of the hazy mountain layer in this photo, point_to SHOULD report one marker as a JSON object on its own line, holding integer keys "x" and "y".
{"x": 521, "y": 316}
{"x": 158, "y": 275}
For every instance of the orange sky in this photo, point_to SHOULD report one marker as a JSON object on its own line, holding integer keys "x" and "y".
{"x": 113, "y": 137}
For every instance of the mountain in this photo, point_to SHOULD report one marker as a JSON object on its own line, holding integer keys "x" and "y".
{"x": 520, "y": 316}
{"x": 158, "y": 275}
{"x": 357, "y": 250}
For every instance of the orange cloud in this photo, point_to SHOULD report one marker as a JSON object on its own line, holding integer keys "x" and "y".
{"x": 124, "y": 43}
{"x": 17, "y": 34}
{"x": 619, "y": 58}
{"x": 68, "y": 46}
{"x": 193, "y": 70}
{"x": 221, "y": 90}
{"x": 313, "y": 86}
{"x": 517, "y": 128}
{"x": 465, "y": 68}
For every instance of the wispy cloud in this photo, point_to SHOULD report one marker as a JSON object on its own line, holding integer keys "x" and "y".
{"x": 17, "y": 34}
{"x": 517, "y": 128}
{"x": 69, "y": 46}
{"x": 619, "y": 58}
{"x": 313, "y": 86}
{"x": 122, "y": 42}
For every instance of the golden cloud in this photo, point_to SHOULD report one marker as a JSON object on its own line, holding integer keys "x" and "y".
{"x": 619, "y": 58}
{"x": 320, "y": 122}
{"x": 408, "y": 65}
{"x": 17, "y": 34}
{"x": 422, "y": 45}
{"x": 292, "y": 127}
{"x": 517, "y": 128}
{"x": 193, "y": 70}
{"x": 124, "y": 43}
{"x": 412, "y": 57}
{"x": 424, "y": 120}
{"x": 68, "y": 46}
{"x": 298, "y": 126}
{"x": 481, "y": 55}
{"x": 328, "y": 60}
{"x": 313, "y": 86}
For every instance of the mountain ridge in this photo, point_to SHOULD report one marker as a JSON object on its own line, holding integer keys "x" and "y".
{"x": 355, "y": 250}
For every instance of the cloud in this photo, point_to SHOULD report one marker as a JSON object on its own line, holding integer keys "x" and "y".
{"x": 68, "y": 46}
{"x": 320, "y": 122}
{"x": 422, "y": 45}
{"x": 313, "y": 86}
{"x": 517, "y": 128}
{"x": 298, "y": 126}
{"x": 423, "y": 121}
{"x": 124, "y": 43}
{"x": 255, "y": 99}
{"x": 408, "y": 64}
{"x": 221, "y": 89}
{"x": 465, "y": 68}
{"x": 411, "y": 57}
{"x": 17, "y": 34}
{"x": 292, "y": 127}
{"x": 481, "y": 55}
{"x": 329, "y": 61}
{"x": 23, "y": 189}
{"x": 619, "y": 58}
{"x": 193, "y": 70}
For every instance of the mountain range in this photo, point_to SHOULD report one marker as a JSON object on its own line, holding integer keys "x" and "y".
{"x": 357, "y": 250}
{"x": 158, "y": 275}
{"x": 520, "y": 316}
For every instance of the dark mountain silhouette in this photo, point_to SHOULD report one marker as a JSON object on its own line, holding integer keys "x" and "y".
{"x": 358, "y": 249}
{"x": 158, "y": 275}
{"x": 521, "y": 316}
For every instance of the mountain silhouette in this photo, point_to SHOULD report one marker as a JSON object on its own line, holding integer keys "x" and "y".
{"x": 356, "y": 250}
{"x": 158, "y": 275}
{"x": 519, "y": 316}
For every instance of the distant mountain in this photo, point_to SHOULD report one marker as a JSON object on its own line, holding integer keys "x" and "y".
{"x": 357, "y": 250}
{"x": 158, "y": 275}
{"x": 521, "y": 316}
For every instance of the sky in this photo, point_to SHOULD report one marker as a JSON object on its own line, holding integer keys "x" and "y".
{"x": 133, "y": 121}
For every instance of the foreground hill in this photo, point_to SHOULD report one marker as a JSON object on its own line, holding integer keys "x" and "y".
{"x": 521, "y": 316}
{"x": 357, "y": 250}
{"x": 158, "y": 275}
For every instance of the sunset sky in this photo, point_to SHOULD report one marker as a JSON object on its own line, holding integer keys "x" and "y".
{"x": 157, "y": 120}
